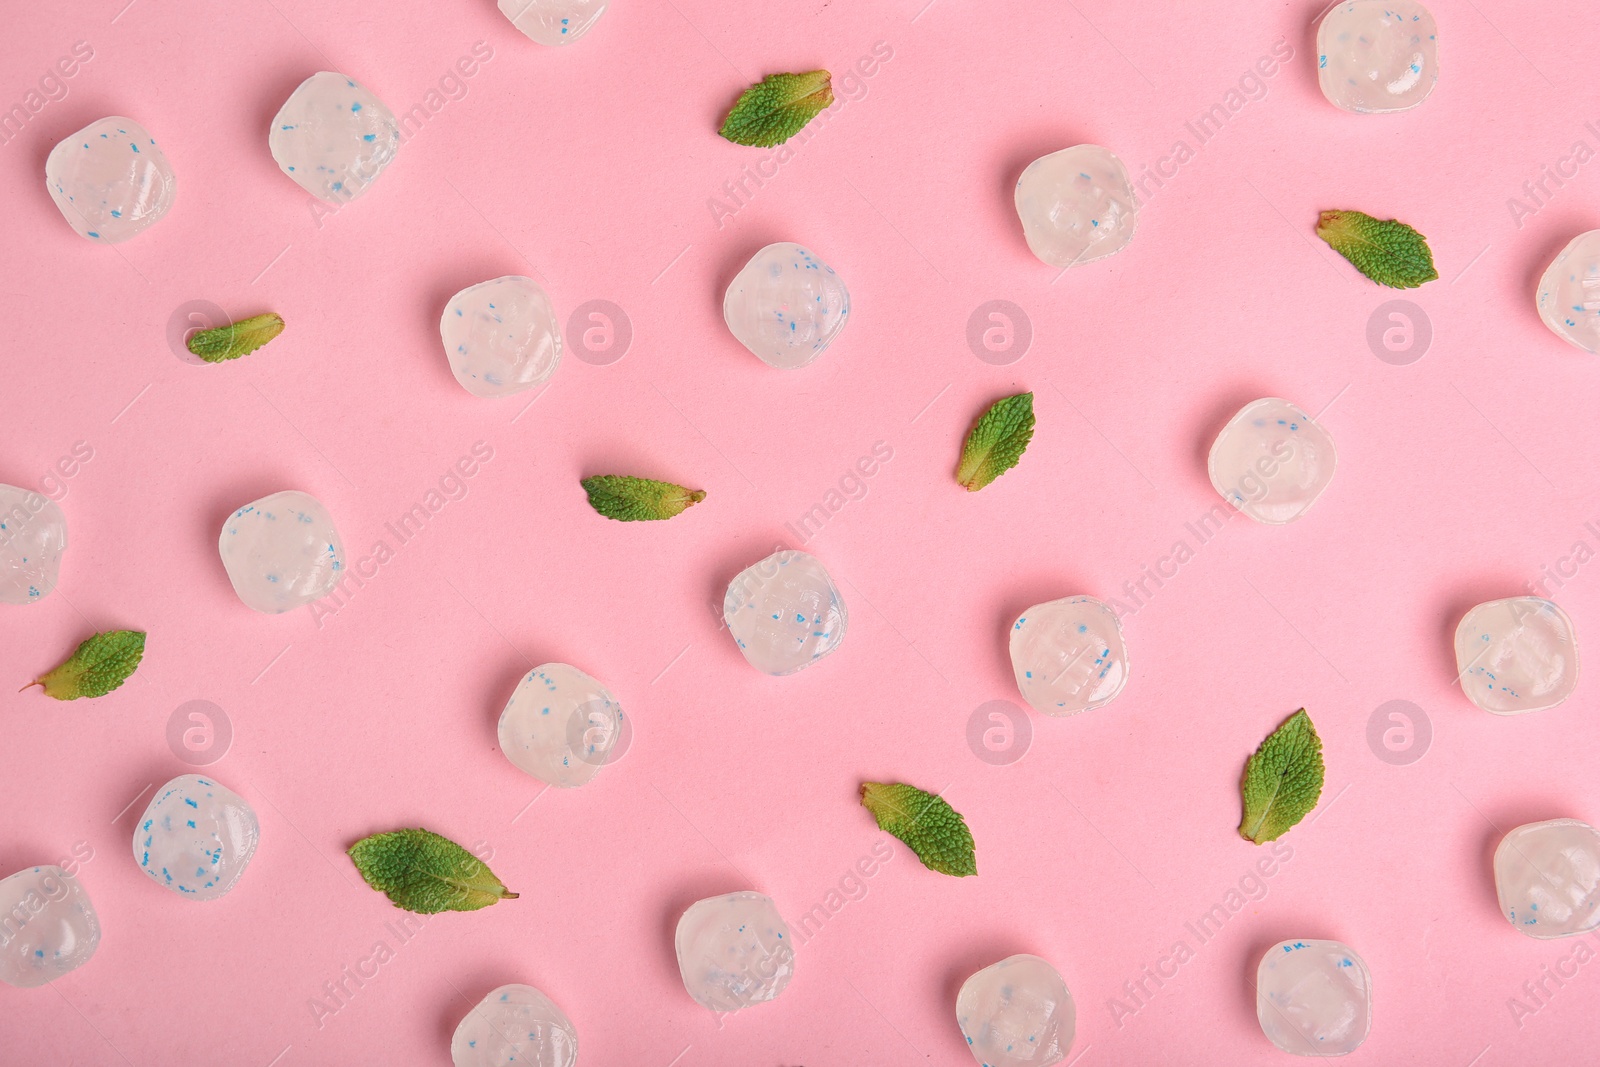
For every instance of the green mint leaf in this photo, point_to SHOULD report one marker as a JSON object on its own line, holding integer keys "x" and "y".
{"x": 1389, "y": 252}
{"x": 628, "y": 499}
{"x": 1282, "y": 781}
{"x": 422, "y": 872}
{"x": 929, "y": 826}
{"x": 236, "y": 339}
{"x": 96, "y": 667}
{"x": 777, "y": 107}
{"x": 997, "y": 441}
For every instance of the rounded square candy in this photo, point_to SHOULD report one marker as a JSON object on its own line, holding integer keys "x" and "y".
{"x": 734, "y": 951}
{"x": 514, "y": 1025}
{"x": 560, "y": 725}
{"x": 1569, "y": 293}
{"x": 1517, "y": 655}
{"x": 196, "y": 837}
{"x": 1314, "y": 998}
{"x": 281, "y": 552}
{"x": 333, "y": 137}
{"x": 785, "y": 613}
{"x": 110, "y": 180}
{"x": 1068, "y": 655}
{"x": 33, "y": 536}
{"x": 47, "y": 926}
{"x": 501, "y": 336}
{"x": 1547, "y": 876}
{"x": 1376, "y": 56}
{"x": 1017, "y": 1013}
{"x": 553, "y": 22}
{"x": 1272, "y": 461}
{"x": 1077, "y": 205}
{"x": 786, "y": 306}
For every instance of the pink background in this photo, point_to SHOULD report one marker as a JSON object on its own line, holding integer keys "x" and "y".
{"x": 1462, "y": 477}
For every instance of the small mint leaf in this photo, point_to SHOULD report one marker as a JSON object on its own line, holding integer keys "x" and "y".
{"x": 629, "y": 499}
{"x": 1282, "y": 780}
{"x": 1387, "y": 251}
{"x": 422, "y": 872}
{"x": 237, "y": 339}
{"x": 98, "y": 665}
{"x": 997, "y": 441}
{"x": 927, "y": 824}
{"x": 777, "y": 107}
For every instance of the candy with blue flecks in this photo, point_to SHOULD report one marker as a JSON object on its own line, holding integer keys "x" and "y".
{"x": 1017, "y": 1013}
{"x": 1068, "y": 655}
{"x": 734, "y": 951}
{"x": 786, "y": 305}
{"x": 1547, "y": 876}
{"x": 196, "y": 837}
{"x": 1077, "y": 205}
{"x": 1569, "y": 293}
{"x": 1314, "y": 998}
{"x": 47, "y": 926}
{"x": 785, "y": 613}
{"x": 1516, "y": 655}
{"x": 560, "y": 725}
{"x": 33, "y": 535}
{"x": 512, "y": 1026}
{"x": 553, "y": 22}
{"x": 282, "y": 551}
{"x": 110, "y": 180}
{"x": 1272, "y": 461}
{"x": 501, "y": 336}
{"x": 333, "y": 137}
{"x": 1376, "y": 56}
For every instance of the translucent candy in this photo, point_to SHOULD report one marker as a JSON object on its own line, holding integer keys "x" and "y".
{"x": 785, "y": 612}
{"x": 553, "y": 22}
{"x": 512, "y": 1026}
{"x": 1547, "y": 876}
{"x": 1569, "y": 293}
{"x": 1272, "y": 461}
{"x": 1076, "y": 206}
{"x": 33, "y": 535}
{"x": 110, "y": 180}
{"x": 1517, "y": 655}
{"x": 734, "y": 951}
{"x": 196, "y": 837}
{"x": 281, "y": 552}
{"x": 786, "y": 306}
{"x": 560, "y": 725}
{"x": 1017, "y": 1013}
{"x": 333, "y": 137}
{"x": 47, "y": 926}
{"x": 1068, "y": 655}
{"x": 1314, "y": 998}
{"x": 1377, "y": 55}
{"x": 501, "y": 336}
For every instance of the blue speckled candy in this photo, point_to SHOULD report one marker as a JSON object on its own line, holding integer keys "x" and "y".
{"x": 281, "y": 552}
{"x": 1314, "y": 998}
{"x": 1017, "y": 1013}
{"x": 333, "y": 137}
{"x": 196, "y": 837}
{"x": 47, "y": 926}
{"x": 1569, "y": 293}
{"x": 501, "y": 336}
{"x": 110, "y": 180}
{"x": 553, "y": 22}
{"x": 33, "y": 535}
{"x": 785, "y": 613}
{"x": 786, "y": 305}
{"x": 513, "y": 1026}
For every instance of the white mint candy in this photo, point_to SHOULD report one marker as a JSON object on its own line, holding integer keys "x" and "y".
{"x": 33, "y": 535}
{"x": 786, "y": 305}
{"x": 515, "y": 1025}
{"x": 47, "y": 926}
{"x": 501, "y": 336}
{"x": 1077, "y": 205}
{"x": 1375, "y": 56}
{"x": 281, "y": 552}
{"x": 553, "y": 22}
{"x": 785, "y": 613}
{"x": 1516, "y": 655}
{"x": 196, "y": 837}
{"x": 1314, "y": 998}
{"x": 1272, "y": 461}
{"x": 560, "y": 725}
{"x": 734, "y": 951}
{"x": 1547, "y": 876}
{"x": 333, "y": 137}
{"x": 110, "y": 180}
{"x": 1569, "y": 293}
{"x": 1017, "y": 1013}
{"x": 1068, "y": 655}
